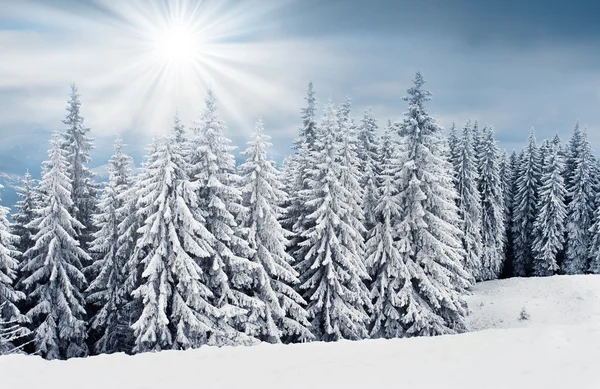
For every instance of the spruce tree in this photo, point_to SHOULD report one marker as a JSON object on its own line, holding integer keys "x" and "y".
{"x": 429, "y": 237}
{"x": 77, "y": 145}
{"x": 54, "y": 265}
{"x": 549, "y": 228}
{"x": 469, "y": 204}
{"x": 332, "y": 272}
{"x": 368, "y": 155}
{"x": 492, "y": 207}
{"x": 26, "y": 205}
{"x": 525, "y": 207}
{"x": 286, "y": 317}
{"x": 106, "y": 291}
{"x": 12, "y": 322}
{"x": 295, "y": 219}
{"x": 233, "y": 279}
{"x": 391, "y": 290}
{"x": 580, "y": 212}
{"x": 177, "y": 309}
{"x": 454, "y": 152}
{"x": 507, "y": 163}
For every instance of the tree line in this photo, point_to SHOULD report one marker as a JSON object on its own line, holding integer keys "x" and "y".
{"x": 362, "y": 233}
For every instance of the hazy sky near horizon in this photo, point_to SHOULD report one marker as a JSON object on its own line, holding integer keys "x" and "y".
{"x": 510, "y": 64}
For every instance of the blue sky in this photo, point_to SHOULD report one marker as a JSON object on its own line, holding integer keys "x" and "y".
{"x": 511, "y": 64}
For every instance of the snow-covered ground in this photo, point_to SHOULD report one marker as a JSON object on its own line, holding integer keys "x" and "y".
{"x": 558, "y": 347}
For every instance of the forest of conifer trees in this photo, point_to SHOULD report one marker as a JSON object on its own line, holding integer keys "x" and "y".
{"x": 367, "y": 230}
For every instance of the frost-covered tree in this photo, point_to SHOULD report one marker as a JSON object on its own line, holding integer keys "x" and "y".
{"x": 350, "y": 170}
{"x": 387, "y": 147}
{"x": 549, "y": 227}
{"x": 12, "y": 322}
{"x": 492, "y": 206}
{"x": 285, "y": 315}
{"x": 106, "y": 291}
{"x": 368, "y": 148}
{"x": 594, "y": 266}
{"x": 233, "y": 279}
{"x": 391, "y": 290}
{"x": 469, "y": 204}
{"x": 26, "y": 205}
{"x": 507, "y": 166}
{"x": 525, "y": 207}
{"x": 54, "y": 265}
{"x": 580, "y": 212}
{"x": 295, "y": 219}
{"x": 177, "y": 309}
{"x": 429, "y": 237}
{"x": 77, "y": 145}
{"x": 332, "y": 272}
{"x": 454, "y": 151}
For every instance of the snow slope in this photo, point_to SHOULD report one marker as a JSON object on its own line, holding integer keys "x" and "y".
{"x": 558, "y": 347}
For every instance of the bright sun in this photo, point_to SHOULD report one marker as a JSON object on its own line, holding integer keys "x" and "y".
{"x": 177, "y": 45}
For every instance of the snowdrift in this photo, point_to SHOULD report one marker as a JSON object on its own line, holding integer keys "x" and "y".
{"x": 557, "y": 347}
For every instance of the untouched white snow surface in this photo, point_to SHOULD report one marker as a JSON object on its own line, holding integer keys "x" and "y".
{"x": 558, "y": 347}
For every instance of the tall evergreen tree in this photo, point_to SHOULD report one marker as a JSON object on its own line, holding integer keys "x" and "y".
{"x": 305, "y": 145}
{"x": 332, "y": 272}
{"x": 429, "y": 238}
{"x": 233, "y": 279}
{"x": 54, "y": 265}
{"x": 368, "y": 155}
{"x": 391, "y": 290}
{"x": 285, "y": 318}
{"x": 454, "y": 152}
{"x": 106, "y": 291}
{"x": 177, "y": 309}
{"x": 11, "y": 320}
{"x": 77, "y": 145}
{"x": 549, "y": 228}
{"x": 508, "y": 165}
{"x": 492, "y": 206}
{"x": 469, "y": 203}
{"x": 580, "y": 212}
{"x": 525, "y": 207}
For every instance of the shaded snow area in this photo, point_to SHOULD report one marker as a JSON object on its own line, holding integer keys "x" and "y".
{"x": 558, "y": 346}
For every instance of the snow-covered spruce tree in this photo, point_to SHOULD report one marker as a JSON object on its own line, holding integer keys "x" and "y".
{"x": 454, "y": 153}
{"x": 525, "y": 207}
{"x": 391, "y": 289}
{"x": 429, "y": 237}
{"x": 332, "y": 272}
{"x": 350, "y": 171}
{"x": 469, "y": 204}
{"x": 492, "y": 207}
{"x": 507, "y": 164}
{"x": 12, "y": 322}
{"x": 77, "y": 145}
{"x": 177, "y": 309}
{"x": 580, "y": 211}
{"x": 233, "y": 279}
{"x": 54, "y": 265}
{"x": 295, "y": 219}
{"x": 369, "y": 161}
{"x": 132, "y": 217}
{"x": 106, "y": 291}
{"x": 387, "y": 147}
{"x": 549, "y": 227}
{"x": 286, "y": 318}
{"x": 26, "y": 205}
{"x": 594, "y": 266}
